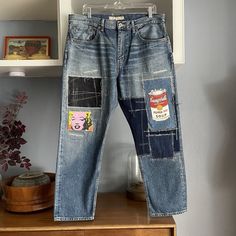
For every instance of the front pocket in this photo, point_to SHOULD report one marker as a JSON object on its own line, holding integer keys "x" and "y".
{"x": 153, "y": 32}
{"x": 86, "y": 33}
{"x": 159, "y": 100}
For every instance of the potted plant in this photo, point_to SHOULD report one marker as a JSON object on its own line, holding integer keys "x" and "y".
{"x": 11, "y": 131}
{"x": 29, "y": 191}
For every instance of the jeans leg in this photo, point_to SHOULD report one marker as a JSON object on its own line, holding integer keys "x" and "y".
{"x": 87, "y": 100}
{"x": 148, "y": 98}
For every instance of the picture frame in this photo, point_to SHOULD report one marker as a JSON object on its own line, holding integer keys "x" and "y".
{"x": 27, "y": 47}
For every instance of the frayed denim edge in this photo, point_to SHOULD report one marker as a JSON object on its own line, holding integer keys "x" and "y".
{"x": 73, "y": 218}
{"x": 168, "y": 213}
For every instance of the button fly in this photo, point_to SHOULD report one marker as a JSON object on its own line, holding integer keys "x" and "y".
{"x": 121, "y": 25}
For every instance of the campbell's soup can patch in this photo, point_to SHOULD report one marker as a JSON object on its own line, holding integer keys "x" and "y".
{"x": 159, "y": 104}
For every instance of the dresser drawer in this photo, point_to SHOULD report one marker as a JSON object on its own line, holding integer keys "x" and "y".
{"x": 43, "y": 233}
{"x": 129, "y": 232}
{"x": 95, "y": 232}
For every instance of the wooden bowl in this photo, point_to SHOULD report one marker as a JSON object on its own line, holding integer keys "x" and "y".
{"x": 28, "y": 199}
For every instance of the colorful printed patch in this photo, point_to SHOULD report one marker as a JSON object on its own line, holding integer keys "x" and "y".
{"x": 79, "y": 120}
{"x": 159, "y": 104}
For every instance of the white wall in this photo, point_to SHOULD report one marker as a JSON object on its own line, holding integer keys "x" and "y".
{"x": 206, "y": 85}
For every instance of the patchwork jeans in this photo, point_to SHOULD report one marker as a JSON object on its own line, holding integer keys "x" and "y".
{"x": 126, "y": 59}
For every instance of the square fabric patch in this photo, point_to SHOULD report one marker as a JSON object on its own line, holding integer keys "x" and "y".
{"x": 84, "y": 92}
{"x": 80, "y": 120}
{"x": 160, "y": 104}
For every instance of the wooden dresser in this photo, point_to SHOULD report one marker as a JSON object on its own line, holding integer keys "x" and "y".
{"x": 115, "y": 216}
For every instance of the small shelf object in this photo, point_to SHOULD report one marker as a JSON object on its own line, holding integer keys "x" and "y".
{"x": 27, "y": 47}
{"x": 36, "y": 18}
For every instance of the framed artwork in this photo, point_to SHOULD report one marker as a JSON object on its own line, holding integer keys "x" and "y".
{"x": 27, "y": 47}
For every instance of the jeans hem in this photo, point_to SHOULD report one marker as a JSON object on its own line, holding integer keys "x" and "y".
{"x": 168, "y": 213}
{"x": 58, "y": 218}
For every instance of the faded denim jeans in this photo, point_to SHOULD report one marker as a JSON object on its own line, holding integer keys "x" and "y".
{"x": 129, "y": 60}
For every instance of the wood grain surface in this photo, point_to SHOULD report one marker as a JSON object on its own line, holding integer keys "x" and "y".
{"x": 115, "y": 215}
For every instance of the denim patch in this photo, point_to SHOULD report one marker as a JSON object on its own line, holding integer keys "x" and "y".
{"x": 177, "y": 134}
{"x": 159, "y": 104}
{"x": 162, "y": 145}
{"x": 171, "y": 140}
{"x": 84, "y": 92}
{"x": 135, "y": 113}
{"x": 176, "y": 141}
{"x": 80, "y": 120}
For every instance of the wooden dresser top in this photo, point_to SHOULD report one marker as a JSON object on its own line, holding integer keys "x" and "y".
{"x": 114, "y": 211}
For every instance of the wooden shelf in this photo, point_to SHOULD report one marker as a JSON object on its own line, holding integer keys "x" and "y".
{"x": 31, "y": 14}
{"x": 115, "y": 215}
{"x": 32, "y": 68}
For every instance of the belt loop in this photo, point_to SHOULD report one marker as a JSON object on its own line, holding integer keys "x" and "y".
{"x": 102, "y": 24}
{"x": 133, "y": 26}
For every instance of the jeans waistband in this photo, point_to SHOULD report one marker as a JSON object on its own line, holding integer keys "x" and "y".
{"x": 128, "y": 21}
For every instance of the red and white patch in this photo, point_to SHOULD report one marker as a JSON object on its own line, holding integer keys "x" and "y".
{"x": 159, "y": 104}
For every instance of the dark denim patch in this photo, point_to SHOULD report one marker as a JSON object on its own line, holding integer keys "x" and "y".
{"x": 176, "y": 141}
{"x": 135, "y": 112}
{"x": 163, "y": 144}
{"x": 84, "y": 92}
{"x": 171, "y": 140}
{"x": 177, "y": 133}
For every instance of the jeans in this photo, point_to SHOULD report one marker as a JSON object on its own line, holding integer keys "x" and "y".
{"x": 126, "y": 59}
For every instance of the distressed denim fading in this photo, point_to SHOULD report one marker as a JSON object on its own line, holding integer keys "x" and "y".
{"x": 106, "y": 61}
